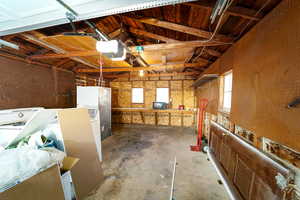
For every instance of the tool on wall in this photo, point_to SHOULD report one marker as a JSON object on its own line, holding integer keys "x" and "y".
{"x": 202, "y": 106}
{"x": 294, "y": 103}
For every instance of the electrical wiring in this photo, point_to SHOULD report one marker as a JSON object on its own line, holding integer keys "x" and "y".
{"x": 219, "y": 22}
{"x": 100, "y": 80}
{"x": 216, "y": 29}
{"x": 265, "y": 4}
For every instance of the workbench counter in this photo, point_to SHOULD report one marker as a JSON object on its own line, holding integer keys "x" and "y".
{"x": 169, "y": 117}
{"x": 153, "y": 110}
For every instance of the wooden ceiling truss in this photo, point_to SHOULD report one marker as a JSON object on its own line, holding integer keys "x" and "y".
{"x": 175, "y": 40}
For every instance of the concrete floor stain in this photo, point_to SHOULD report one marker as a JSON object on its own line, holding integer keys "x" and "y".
{"x": 138, "y": 160}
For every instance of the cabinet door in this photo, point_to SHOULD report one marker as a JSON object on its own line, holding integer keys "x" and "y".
{"x": 250, "y": 171}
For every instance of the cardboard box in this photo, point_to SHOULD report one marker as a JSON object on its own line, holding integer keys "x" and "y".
{"x": 79, "y": 142}
{"x": 46, "y": 185}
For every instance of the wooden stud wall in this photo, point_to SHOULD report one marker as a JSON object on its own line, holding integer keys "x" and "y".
{"x": 180, "y": 93}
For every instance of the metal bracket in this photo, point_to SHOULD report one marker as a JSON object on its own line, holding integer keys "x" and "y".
{"x": 281, "y": 181}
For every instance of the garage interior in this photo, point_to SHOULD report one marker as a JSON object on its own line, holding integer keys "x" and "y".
{"x": 165, "y": 99}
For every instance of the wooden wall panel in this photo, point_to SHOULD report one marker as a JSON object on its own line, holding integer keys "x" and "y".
{"x": 137, "y": 118}
{"x": 176, "y": 92}
{"x": 149, "y": 118}
{"x": 188, "y": 120}
{"x": 266, "y": 76}
{"x": 26, "y": 85}
{"x": 124, "y": 97}
{"x": 210, "y": 91}
{"x": 176, "y": 119}
{"x": 165, "y": 78}
{"x": 150, "y": 93}
{"x": 121, "y": 98}
{"x": 162, "y": 84}
{"x": 125, "y": 118}
{"x": 116, "y": 118}
{"x": 188, "y": 94}
{"x": 138, "y": 84}
{"x": 272, "y": 81}
{"x": 163, "y": 119}
{"x": 115, "y": 87}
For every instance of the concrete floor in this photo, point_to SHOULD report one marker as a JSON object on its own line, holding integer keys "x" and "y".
{"x": 138, "y": 163}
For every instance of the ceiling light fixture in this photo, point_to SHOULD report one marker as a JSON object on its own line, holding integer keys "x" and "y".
{"x": 141, "y": 73}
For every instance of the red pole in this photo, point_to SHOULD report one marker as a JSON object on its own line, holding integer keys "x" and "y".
{"x": 202, "y": 106}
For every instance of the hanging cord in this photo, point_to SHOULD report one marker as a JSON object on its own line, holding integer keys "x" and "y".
{"x": 265, "y": 4}
{"x": 215, "y": 31}
{"x": 100, "y": 80}
{"x": 219, "y": 22}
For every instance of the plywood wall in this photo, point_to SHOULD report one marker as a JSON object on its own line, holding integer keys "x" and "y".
{"x": 266, "y": 74}
{"x": 180, "y": 92}
{"x": 27, "y": 85}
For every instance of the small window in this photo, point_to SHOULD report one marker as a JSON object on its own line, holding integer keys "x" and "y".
{"x": 137, "y": 95}
{"x": 227, "y": 91}
{"x": 162, "y": 95}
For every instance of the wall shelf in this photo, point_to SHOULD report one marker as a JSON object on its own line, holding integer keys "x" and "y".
{"x": 204, "y": 79}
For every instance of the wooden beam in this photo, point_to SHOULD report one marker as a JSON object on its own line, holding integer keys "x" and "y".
{"x": 153, "y": 47}
{"x": 168, "y": 40}
{"x": 40, "y": 42}
{"x": 177, "y": 45}
{"x": 185, "y": 29}
{"x": 152, "y": 35}
{"x": 115, "y": 33}
{"x": 238, "y": 11}
{"x": 153, "y": 75}
{"x": 213, "y": 52}
{"x": 62, "y": 62}
{"x": 65, "y": 55}
{"x": 136, "y": 69}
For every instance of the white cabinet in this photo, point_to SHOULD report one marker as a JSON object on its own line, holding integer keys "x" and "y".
{"x": 98, "y": 101}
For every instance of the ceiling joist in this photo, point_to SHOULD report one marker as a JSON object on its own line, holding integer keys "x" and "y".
{"x": 62, "y": 62}
{"x": 151, "y": 35}
{"x": 153, "y": 47}
{"x": 238, "y": 11}
{"x": 178, "y": 45}
{"x": 185, "y": 29}
{"x": 115, "y": 33}
{"x": 154, "y": 75}
{"x": 150, "y": 68}
{"x": 36, "y": 40}
{"x": 168, "y": 40}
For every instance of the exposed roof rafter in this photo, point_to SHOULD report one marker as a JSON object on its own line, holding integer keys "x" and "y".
{"x": 185, "y": 29}
{"x": 233, "y": 10}
{"x": 153, "y": 75}
{"x": 136, "y": 69}
{"x": 151, "y": 35}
